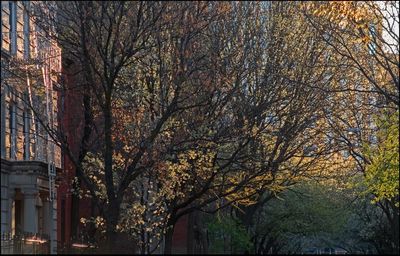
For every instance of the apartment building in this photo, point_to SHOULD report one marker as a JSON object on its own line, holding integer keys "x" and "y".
{"x": 30, "y": 159}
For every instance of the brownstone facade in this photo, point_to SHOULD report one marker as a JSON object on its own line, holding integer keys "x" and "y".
{"x": 29, "y": 98}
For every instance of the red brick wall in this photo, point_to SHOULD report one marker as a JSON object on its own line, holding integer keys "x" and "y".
{"x": 180, "y": 236}
{"x": 72, "y": 123}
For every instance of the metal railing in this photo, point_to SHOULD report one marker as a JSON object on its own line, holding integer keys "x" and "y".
{"x": 41, "y": 49}
{"x": 25, "y": 243}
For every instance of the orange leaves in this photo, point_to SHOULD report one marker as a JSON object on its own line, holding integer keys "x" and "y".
{"x": 223, "y": 8}
{"x": 178, "y": 177}
{"x": 342, "y": 13}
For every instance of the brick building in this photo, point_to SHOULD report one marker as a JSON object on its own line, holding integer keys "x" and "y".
{"x": 71, "y": 208}
{"x": 31, "y": 98}
{"x": 29, "y": 102}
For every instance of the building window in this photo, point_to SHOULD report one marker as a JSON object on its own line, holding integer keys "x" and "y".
{"x": 26, "y": 33}
{"x": 38, "y": 141}
{"x": 26, "y": 135}
{"x": 373, "y": 34}
{"x": 13, "y": 131}
{"x": 16, "y": 217}
{"x": 37, "y": 138}
{"x": 39, "y": 211}
{"x": 5, "y": 26}
{"x": 3, "y": 122}
{"x": 13, "y": 27}
{"x": 20, "y": 28}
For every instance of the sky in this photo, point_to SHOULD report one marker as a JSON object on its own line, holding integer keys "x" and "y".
{"x": 390, "y": 12}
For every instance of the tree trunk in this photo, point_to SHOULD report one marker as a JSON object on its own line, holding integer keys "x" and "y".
{"x": 74, "y": 214}
{"x": 75, "y": 207}
{"x": 168, "y": 238}
{"x": 112, "y": 217}
{"x": 143, "y": 245}
{"x": 112, "y": 214}
{"x": 392, "y": 215}
{"x": 190, "y": 235}
{"x": 395, "y": 227}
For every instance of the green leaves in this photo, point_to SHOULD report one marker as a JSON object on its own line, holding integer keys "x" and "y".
{"x": 228, "y": 234}
{"x": 382, "y": 174}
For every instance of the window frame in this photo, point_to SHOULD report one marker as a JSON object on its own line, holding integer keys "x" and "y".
{"x": 26, "y": 133}
{"x": 13, "y": 27}
{"x": 13, "y": 129}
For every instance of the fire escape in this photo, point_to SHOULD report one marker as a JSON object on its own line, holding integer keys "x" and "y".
{"x": 40, "y": 72}
{"x": 32, "y": 67}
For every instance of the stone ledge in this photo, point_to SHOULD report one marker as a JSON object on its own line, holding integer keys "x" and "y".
{"x": 38, "y": 167}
